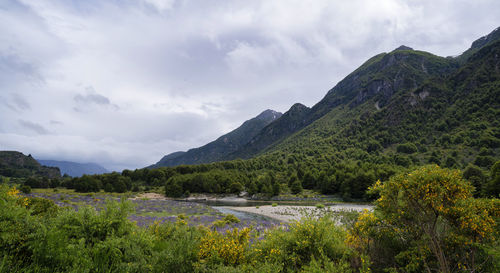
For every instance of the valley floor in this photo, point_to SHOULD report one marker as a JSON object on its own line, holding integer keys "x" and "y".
{"x": 286, "y": 213}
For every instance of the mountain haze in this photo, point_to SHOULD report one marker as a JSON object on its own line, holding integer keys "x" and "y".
{"x": 75, "y": 169}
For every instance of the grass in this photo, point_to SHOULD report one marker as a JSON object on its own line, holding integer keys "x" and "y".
{"x": 72, "y": 191}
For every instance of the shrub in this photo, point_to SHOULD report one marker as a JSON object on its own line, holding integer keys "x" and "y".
{"x": 321, "y": 241}
{"x": 176, "y": 247}
{"x": 25, "y": 189}
{"x": 428, "y": 220}
{"x": 229, "y": 248}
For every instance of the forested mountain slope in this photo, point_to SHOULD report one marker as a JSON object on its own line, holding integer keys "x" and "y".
{"x": 16, "y": 164}
{"x": 377, "y": 79}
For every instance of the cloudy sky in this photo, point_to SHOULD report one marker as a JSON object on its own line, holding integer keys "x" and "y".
{"x": 123, "y": 82}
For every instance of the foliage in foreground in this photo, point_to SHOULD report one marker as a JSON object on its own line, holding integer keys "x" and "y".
{"x": 424, "y": 221}
{"x": 428, "y": 221}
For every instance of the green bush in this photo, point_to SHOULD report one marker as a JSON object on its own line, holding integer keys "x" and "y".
{"x": 25, "y": 189}
{"x": 310, "y": 242}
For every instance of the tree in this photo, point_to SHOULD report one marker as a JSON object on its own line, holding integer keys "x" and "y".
{"x": 235, "y": 187}
{"x": 252, "y": 188}
{"x": 433, "y": 222}
{"x": 296, "y": 187}
{"x": 476, "y": 176}
{"x": 173, "y": 188}
{"x": 119, "y": 185}
{"x": 492, "y": 187}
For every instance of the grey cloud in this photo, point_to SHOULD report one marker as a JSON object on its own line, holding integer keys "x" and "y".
{"x": 92, "y": 98}
{"x": 35, "y": 127}
{"x": 16, "y": 103}
{"x": 12, "y": 64}
{"x": 55, "y": 122}
{"x": 20, "y": 102}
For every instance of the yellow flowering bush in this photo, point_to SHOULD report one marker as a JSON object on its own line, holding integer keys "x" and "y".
{"x": 428, "y": 220}
{"x": 229, "y": 248}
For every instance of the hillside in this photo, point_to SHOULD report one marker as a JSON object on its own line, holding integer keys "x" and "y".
{"x": 290, "y": 122}
{"x": 452, "y": 120}
{"x": 16, "y": 164}
{"x": 378, "y": 79}
{"x": 75, "y": 169}
{"x": 222, "y": 146}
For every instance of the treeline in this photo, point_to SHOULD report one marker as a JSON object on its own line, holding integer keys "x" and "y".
{"x": 291, "y": 174}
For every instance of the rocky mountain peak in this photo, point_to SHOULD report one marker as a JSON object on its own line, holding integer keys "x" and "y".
{"x": 403, "y": 47}
{"x": 269, "y": 115}
{"x": 298, "y": 107}
{"x": 494, "y": 35}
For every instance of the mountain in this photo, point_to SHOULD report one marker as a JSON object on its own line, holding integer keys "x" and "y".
{"x": 407, "y": 101}
{"x": 378, "y": 80}
{"x": 384, "y": 83}
{"x": 16, "y": 164}
{"x": 293, "y": 120}
{"x": 480, "y": 43}
{"x": 223, "y": 146}
{"x": 397, "y": 111}
{"x": 75, "y": 169}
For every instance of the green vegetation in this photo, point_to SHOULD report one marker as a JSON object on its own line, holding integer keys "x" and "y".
{"x": 426, "y": 220}
{"x": 17, "y": 165}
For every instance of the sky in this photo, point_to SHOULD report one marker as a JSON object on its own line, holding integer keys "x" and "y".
{"x": 122, "y": 83}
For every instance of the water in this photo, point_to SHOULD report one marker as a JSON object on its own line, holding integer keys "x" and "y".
{"x": 255, "y": 203}
{"x": 243, "y": 215}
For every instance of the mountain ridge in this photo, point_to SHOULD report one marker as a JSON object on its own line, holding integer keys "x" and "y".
{"x": 16, "y": 164}
{"x": 222, "y": 146}
{"x": 74, "y": 169}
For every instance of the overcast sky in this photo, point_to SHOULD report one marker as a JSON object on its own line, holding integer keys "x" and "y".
{"x": 123, "y": 82}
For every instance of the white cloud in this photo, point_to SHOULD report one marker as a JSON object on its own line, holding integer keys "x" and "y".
{"x": 154, "y": 76}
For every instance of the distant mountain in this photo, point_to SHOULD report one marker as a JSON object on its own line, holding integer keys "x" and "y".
{"x": 16, "y": 164}
{"x": 224, "y": 145}
{"x": 75, "y": 169}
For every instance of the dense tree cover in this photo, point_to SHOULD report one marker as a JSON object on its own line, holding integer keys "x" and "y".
{"x": 424, "y": 221}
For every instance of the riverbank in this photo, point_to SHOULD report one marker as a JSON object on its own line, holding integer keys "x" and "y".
{"x": 288, "y": 214}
